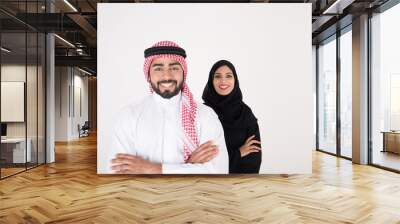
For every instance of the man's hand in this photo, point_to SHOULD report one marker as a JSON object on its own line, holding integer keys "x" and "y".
{"x": 204, "y": 153}
{"x": 130, "y": 164}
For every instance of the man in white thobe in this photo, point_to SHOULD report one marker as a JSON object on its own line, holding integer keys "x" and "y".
{"x": 168, "y": 132}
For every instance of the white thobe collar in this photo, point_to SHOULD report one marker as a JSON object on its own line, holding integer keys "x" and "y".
{"x": 173, "y": 102}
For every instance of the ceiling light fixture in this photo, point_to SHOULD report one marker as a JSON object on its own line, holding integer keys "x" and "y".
{"x": 64, "y": 40}
{"x": 84, "y": 71}
{"x": 70, "y": 5}
{"x": 337, "y": 7}
{"x": 5, "y": 50}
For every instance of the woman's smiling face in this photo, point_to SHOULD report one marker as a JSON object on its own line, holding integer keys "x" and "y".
{"x": 224, "y": 80}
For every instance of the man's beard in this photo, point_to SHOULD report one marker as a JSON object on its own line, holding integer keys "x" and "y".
{"x": 167, "y": 94}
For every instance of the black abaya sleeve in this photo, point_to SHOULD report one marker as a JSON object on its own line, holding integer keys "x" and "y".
{"x": 252, "y": 162}
{"x": 234, "y": 160}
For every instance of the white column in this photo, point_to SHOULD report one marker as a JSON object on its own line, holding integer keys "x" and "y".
{"x": 50, "y": 100}
{"x": 50, "y": 92}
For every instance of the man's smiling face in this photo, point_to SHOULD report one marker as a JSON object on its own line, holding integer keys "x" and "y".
{"x": 166, "y": 77}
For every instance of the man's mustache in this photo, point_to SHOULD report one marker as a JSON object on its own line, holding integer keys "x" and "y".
{"x": 167, "y": 81}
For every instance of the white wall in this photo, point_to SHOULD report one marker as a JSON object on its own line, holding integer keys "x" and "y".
{"x": 67, "y": 116}
{"x": 61, "y": 103}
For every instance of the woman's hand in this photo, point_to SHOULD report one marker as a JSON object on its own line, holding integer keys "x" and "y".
{"x": 248, "y": 146}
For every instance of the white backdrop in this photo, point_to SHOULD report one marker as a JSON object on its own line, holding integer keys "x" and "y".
{"x": 269, "y": 44}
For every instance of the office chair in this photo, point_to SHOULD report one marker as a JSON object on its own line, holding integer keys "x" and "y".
{"x": 84, "y": 130}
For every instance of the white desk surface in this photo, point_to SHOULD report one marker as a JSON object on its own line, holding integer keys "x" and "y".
{"x": 13, "y": 140}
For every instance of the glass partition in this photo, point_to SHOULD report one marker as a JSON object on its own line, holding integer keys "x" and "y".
{"x": 13, "y": 111}
{"x": 22, "y": 63}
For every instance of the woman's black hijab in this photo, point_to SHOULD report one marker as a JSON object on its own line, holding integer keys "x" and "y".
{"x": 231, "y": 110}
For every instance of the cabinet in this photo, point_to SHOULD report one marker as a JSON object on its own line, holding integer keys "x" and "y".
{"x": 391, "y": 142}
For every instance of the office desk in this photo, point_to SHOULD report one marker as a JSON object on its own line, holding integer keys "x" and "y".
{"x": 13, "y": 150}
{"x": 391, "y": 141}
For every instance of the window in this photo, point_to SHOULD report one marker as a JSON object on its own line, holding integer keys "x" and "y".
{"x": 385, "y": 88}
{"x": 346, "y": 93}
{"x": 327, "y": 96}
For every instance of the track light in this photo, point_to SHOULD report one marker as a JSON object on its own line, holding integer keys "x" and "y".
{"x": 70, "y": 5}
{"x": 84, "y": 71}
{"x": 5, "y": 50}
{"x": 64, "y": 40}
{"x": 337, "y": 7}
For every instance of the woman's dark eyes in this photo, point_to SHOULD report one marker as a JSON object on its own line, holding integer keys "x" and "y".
{"x": 227, "y": 76}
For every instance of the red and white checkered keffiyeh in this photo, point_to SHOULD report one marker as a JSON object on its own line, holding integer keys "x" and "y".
{"x": 189, "y": 106}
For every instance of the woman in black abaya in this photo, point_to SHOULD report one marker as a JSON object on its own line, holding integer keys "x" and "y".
{"x": 242, "y": 135}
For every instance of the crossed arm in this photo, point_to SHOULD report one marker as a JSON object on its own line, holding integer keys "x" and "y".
{"x": 129, "y": 164}
{"x": 211, "y": 157}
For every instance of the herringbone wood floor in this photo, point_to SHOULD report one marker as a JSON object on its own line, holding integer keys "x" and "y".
{"x": 69, "y": 191}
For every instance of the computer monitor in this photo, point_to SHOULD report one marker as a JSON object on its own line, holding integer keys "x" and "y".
{"x": 3, "y": 129}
